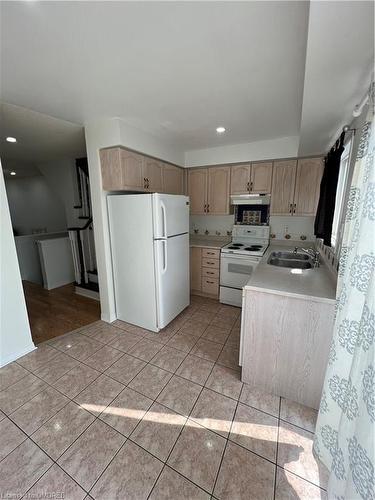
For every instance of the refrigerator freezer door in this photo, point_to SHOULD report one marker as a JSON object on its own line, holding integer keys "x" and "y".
{"x": 172, "y": 277}
{"x": 171, "y": 215}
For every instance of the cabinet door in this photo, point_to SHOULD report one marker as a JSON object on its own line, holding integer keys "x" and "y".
{"x": 132, "y": 170}
{"x": 195, "y": 268}
{"x": 173, "y": 179}
{"x": 283, "y": 181}
{"x": 261, "y": 177}
{"x": 153, "y": 174}
{"x": 240, "y": 179}
{"x": 197, "y": 190}
{"x": 110, "y": 164}
{"x": 218, "y": 190}
{"x": 309, "y": 175}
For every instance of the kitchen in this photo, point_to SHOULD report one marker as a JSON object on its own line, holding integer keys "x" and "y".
{"x": 230, "y": 154}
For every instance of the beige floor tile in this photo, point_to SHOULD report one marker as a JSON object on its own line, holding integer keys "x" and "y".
{"x": 203, "y": 317}
{"x": 295, "y": 455}
{"x": 212, "y": 308}
{"x": 224, "y": 321}
{"x": 291, "y": 487}
{"x": 182, "y": 342}
{"x": 10, "y": 374}
{"x": 125, "y": 369}
{"x": 21, "y": 469}
{"x": 83, "y": 347}
{"x": 10, "y": 437}
{"x": 159, "y": 430}
{"x": 77, "y": 379}
{"x": 207, "y": 350}
{"x": 87, "y": 458}
{"x": 126, "y": 341}
{"x": 56, "y": 368}
{"x": 145, "y": 349}
{"x": 65, "y": 342}
{"x": 260, "y": 400}
{"x": 233, "y": 339}
{"x": 195, "y": 369}
{"x": 193, "y": 327}
{"x": 256, "y": 431}
{"x": 38, "y": 410}
{"x": 104, "y": 358}
{"x": 168, "y": 359}
{"x": 216, "y": 334}
{"x": 225, "y": 381}
{"x": 37, "y": 358}
{"x": 54, "y": 482}
{"x": 2, "y": 415}
{"x": 131, "y": 475}
{"x": 229, "y": 357}
{"x": 171, "y": 486}
{"x": 180, "y": 395}
{"x": 103, "y": 333}
{"x": 298, "y": 414}
{"x": 99, "y": 394}
{"x": 197, "y": 455}
{"x": 56, "y": 435}
{"x": 164, "y": 335}
{"x": 126, "y": 411}
{"x": 19, "y": 393}
{"x": 214, "y": 411}
{"x": 230, "y": 311}
{"x": 244, "y": 475}
{"x": 150, "y": 381}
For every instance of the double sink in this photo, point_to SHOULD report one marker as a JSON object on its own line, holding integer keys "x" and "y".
{"x": 291, "y": 259}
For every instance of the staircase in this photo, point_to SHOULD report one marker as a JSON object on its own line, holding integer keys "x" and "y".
{"x": 82, "y": 237}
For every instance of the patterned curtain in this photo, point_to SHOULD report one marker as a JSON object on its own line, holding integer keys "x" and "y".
{"x": 344, "y": 438}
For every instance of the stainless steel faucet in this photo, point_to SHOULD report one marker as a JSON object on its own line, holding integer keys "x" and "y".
{"x": 312, "y": 253}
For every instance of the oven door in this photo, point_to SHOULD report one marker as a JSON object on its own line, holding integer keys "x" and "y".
{"x": 236, "y": 270}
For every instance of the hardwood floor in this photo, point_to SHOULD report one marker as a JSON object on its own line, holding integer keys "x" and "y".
{"x": 55, "y": 312}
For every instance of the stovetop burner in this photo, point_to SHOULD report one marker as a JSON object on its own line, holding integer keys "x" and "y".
{"x": 234, "y": 247}
{"x": 253, "y": 248}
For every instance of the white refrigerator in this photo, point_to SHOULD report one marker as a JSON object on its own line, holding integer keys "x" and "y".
{"x": 150, "y": 257}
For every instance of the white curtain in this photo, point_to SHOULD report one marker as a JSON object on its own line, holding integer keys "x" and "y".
{"x": 344, "y": 438}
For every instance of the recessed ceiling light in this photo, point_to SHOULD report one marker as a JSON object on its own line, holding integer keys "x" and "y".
{"x": 11, "y": 139}
{"x": 13, "y": 173}
{"x": 220, "y": 130}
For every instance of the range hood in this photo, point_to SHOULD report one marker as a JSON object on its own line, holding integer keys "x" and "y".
{"x": 250, "y": 199}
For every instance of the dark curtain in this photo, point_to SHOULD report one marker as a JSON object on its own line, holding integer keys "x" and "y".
{"x": 328, "y": 188}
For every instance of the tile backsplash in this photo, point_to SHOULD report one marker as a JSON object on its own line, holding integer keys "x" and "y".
{"x": 297, "y": 228}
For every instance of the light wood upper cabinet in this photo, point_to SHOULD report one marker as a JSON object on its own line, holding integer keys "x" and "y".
{"x": 197, "y": 189}
{"x": 240, "y": 179}
{"x": 283, "y": 181}
{"x": 132, "y": 165}
{"x": 153, "y": 175}
{"x": 218, "y": 191}
{"x": 110, "y": 161}
{"x": 173, "y": 179}
{"x": 306, "y": 195}
{"x": 261, "y": 177}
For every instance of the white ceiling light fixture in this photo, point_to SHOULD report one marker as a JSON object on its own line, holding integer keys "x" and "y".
{"x": 220, "y": 130}
{"x": 13, "y": 173}
{"x": 11, "y": 139}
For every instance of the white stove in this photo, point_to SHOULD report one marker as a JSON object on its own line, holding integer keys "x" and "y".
{"x": 239, "y": 259}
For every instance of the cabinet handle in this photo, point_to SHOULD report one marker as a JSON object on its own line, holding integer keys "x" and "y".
{"x": 251, "y": 185}
{"x": 210, "y": 253}
{"x": 205, "y": 208}
{"x": 294, "y": 208}
{"x": 209, "y": 272}
{"x": 208, "y": 208}
{"x": 210, "y": 282}
{"x": 248, "y": 186}
{"x": 211, "y": 263}
{"x": 144, "y": 182}
{"x": 291, "y": 208}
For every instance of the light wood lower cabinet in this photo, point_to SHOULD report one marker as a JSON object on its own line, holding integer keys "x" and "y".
{"x": 204, "y": 271}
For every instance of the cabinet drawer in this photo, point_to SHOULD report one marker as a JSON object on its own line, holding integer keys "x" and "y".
{"x": 210, "y": 253}
{"x": 208, "y": 262}
{"x": 210, "y": 272}
{"x": 210, "y": 285}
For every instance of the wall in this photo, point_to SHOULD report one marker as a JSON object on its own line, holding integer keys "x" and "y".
{"x": 279, "y": 226}
{"x": 60, "y": 176}
{"x": 15, "y": 335}
{"x": 283, "y": 147}
{"x": 33, "y": 205}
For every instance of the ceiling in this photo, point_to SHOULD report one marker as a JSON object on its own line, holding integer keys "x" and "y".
{"x": 180, "y": 69}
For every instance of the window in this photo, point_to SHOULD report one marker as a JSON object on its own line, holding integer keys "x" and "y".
{"x": 338, "y": 219}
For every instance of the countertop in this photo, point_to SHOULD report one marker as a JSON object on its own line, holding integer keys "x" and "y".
{"x": 207, "y": 242}
{"x": 318, "y": 283}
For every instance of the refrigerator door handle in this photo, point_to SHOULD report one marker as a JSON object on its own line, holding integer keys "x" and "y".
{"x": 164, "y": 215}
{"x": 165, "y": 256}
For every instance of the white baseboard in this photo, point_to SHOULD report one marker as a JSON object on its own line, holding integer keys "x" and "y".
{"x": 108, "y": 318}
{"x": 15, "y": 356}
{"x": 91, "y": 294}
